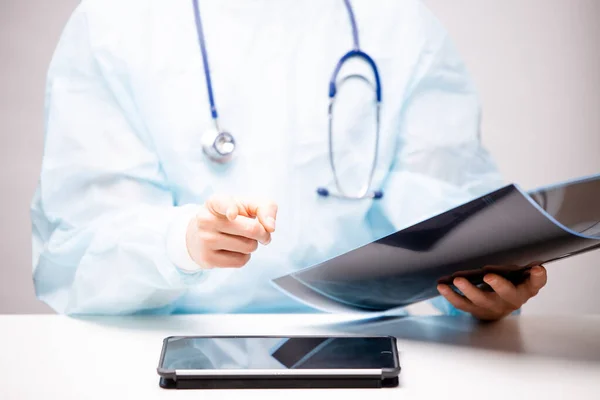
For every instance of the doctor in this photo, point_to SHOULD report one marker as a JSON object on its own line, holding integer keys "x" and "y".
{"x": 196, "y": 150}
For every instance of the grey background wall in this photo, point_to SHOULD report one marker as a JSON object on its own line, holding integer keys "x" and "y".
{"x": 536, "y": 64}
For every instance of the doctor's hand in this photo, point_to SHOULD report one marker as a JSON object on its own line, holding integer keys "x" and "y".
{"x": 505, "y": 299}
{"x": 226, "y": 231}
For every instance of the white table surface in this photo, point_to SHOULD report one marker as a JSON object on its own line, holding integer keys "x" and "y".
{"x": 58, "y": 357}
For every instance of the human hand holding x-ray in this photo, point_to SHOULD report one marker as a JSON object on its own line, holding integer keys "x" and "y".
{"x": 505, "y": 298}
{"x": 226, "y": 231}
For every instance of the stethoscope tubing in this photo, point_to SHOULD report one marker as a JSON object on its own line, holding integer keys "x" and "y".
{"x": 356, "y": 52}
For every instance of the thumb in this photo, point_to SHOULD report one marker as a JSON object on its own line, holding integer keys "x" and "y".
{"x": 223, "y": 206}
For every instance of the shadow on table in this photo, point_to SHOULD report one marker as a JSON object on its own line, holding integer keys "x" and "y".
{"x": 538, "y": 336}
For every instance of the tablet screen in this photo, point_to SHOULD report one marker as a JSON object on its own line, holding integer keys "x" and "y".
{"x": 279, "y": 353}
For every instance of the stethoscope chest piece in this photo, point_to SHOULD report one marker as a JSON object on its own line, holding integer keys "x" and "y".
{"x": 218, "y": 146}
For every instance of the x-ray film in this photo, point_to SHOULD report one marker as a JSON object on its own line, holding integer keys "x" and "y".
{"x": 506, "y": 232}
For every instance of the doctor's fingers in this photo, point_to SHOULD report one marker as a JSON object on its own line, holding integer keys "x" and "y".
{"x": 466, "y": 305}
{"x": 517, "y": 296}
{"x": 457, "y": 300}
{"x": 537, "y": 280}
{"x": 244, "y": 227}
{"x": 506, "y": 290}
{"x": 224, "y": 206}
{"x": 265, "y": 211}
{"x": 491, "y": 302}
{"x": 236, "y": 244}
{"x": 531, "y": 287}
{"x": 230, "y": 207}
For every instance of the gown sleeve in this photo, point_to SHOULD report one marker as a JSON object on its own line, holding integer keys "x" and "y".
{"x": 106, "y": 232}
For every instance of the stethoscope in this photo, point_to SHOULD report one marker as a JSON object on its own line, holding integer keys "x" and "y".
{"x": 219, "y": 145}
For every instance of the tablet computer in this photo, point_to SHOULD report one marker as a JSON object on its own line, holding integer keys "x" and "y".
{"x": 226, "y": 362}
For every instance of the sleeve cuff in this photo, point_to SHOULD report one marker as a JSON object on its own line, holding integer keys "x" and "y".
{"x": 176, "y": 241}
{"x": 446, "y": 308}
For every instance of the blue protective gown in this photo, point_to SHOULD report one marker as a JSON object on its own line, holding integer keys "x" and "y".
{"x": 123, "y": 169}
